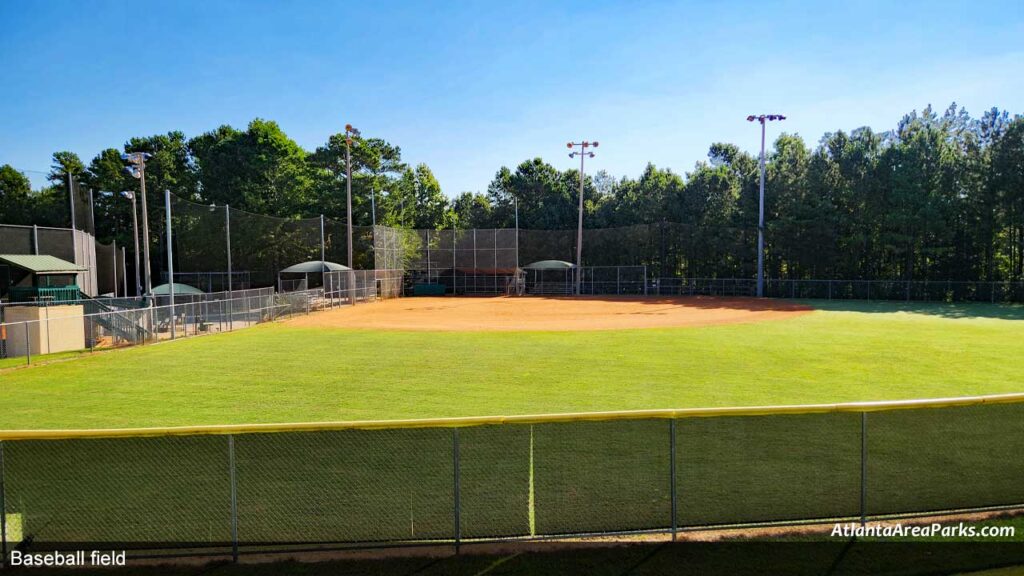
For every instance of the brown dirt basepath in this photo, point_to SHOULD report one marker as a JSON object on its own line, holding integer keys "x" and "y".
{"x": 481, "y": 314}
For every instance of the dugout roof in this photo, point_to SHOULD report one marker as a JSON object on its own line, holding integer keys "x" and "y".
{"x": 314, "y": 267}
{"x": 550, "y": 265}
{"x": 41, "y": 264}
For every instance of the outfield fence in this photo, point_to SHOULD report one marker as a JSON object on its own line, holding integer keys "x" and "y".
{"x": 906, "y": 290}
{"x": 286, "y": 487}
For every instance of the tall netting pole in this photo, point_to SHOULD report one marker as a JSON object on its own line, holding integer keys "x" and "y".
{"x": 170, "y": 260}
{"x": 517, "y": 235}
{"x": 113, "y": 257}
{"x": 71, "y": 200}
{"x": 227, "y": 243}
{"x": 124, "y": 269}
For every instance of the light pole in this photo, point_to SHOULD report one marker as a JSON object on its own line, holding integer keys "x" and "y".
{"x": 135, "y": 236}
{"x": 350, "y": 132}
{"x": 138, "y": 170}
{"x": 579, "y": 230}
{"x": 763, "y": 119}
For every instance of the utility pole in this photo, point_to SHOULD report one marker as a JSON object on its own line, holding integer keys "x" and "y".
{"x": 227, "y": 237}
{"x": 350, "y": 132}
{"x": 579, "y": 230}
{"x": 763, "y": 118}
{"x": 74, "y": 224}
{"x": 138, "y": 170}
{"x": 516, "y": 198}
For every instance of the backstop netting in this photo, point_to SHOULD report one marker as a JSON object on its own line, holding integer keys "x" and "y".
{"x": 446, "y": 481}
{"x": 260, "y": 246}
{"x": 110, "y": 269}
{"x": 475, "y": 261}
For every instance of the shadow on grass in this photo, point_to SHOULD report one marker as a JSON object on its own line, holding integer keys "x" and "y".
{"x": 942, "y": 309}
{"x": 710, "y": 559}
{"x": 700, "y": 302}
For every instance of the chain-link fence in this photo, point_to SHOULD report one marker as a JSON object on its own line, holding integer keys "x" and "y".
{"x": 906, "y": 290}
{"x": 211, "y": 241}
{"x": 29, "y": 333}
{"x": 352, "y": 286}
{"x": 277, "y": 487}
{"x": 614, "y": 280}
{"x": 670, "y": 257}
{"x": 220, "y": 248}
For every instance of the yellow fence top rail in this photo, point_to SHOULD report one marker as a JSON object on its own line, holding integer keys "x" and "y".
{"x": 521, "y": 419}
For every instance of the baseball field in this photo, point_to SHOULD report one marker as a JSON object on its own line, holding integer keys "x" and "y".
{"x": 442, "y": 357}
{"x": 455, "y": 357}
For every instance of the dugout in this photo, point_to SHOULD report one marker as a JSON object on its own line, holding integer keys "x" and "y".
{"x": 45, "y": 298}
{"x": 480, "y": 281}
{"x": 38, "y": 278}
{"x": 306, "y": 275}
{"x": 549, "y": 277}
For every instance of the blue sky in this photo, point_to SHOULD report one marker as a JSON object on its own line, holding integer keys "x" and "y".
{"x": 470, "y": 86}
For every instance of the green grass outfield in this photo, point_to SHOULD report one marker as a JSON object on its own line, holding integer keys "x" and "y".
{"x": 278, "y": 373}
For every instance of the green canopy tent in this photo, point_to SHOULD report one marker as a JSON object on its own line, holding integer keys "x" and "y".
{"x": 179, "y": 290}
{"x": 297, "y": 276}
{"x": 551, "y": 277}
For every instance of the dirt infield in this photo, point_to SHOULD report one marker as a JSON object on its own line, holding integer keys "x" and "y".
{"x": 550, "y": 314}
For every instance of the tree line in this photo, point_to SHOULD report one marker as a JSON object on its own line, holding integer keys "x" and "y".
{"x": 939, "y": 196}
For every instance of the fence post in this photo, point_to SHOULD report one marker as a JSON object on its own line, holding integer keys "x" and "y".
{"x": 28, "y": 346}
{"x": 672, "y": 475}
{"x": 458, "y": 503}
{"x": 47, "y": 316}
{"x": 3, "y": 512}
{"x": 234, "y": 498}
{"x": 863, "y": 468}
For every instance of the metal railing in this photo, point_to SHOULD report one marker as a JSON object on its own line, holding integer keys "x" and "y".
{"x": 283, "y": 487}
{"x": 114, "y": 323}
